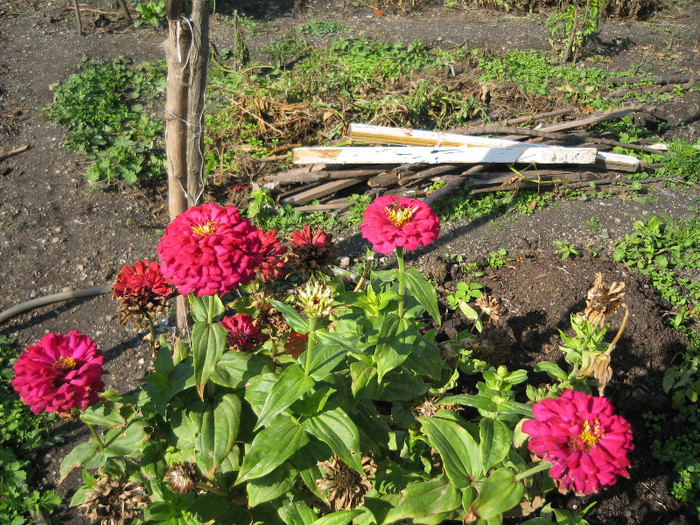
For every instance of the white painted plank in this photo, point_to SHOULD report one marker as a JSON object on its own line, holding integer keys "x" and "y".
{"x": 519, "y": 153}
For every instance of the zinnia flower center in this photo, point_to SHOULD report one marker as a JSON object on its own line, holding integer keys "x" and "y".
{"x": 589, "y": 438}
{"x": 399, "y": 215}
{"x": 65, "y": 363}
{"x": 207, "y": 228}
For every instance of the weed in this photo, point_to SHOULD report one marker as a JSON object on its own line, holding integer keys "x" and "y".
{"x": 593, "y": 224}
{"x": 152, "y": 12}
{"x": 315, "y": 27}
{"x": 498, "y": 259}
{"x": 21, "y": 434}
{"x": 566, "y": 249}
{"x": 682, "y": 161}
{"x": 575, "y": 25}
{"x": 358, "y": 203}
{"x": 99, "y": 108}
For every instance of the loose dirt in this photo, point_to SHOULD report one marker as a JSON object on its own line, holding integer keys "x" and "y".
{"x": 57, "y": 232}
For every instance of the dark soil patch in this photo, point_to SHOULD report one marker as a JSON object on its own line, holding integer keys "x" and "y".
{"x": 57, "y": 232}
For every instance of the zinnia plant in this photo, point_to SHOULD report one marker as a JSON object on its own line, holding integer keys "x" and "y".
{"x": 339, "y": 408}
{"x": 584, "y": 441}
{"x": 59, "y": 373}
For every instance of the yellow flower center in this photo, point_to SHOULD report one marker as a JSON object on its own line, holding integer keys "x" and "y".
{"x": 207, "y": 228}
{"x": 398, "y": 215}
{"x": 589, "y": 438}
{"x": 65, "y": 363}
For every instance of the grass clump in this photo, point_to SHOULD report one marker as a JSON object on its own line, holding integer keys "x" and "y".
{"x": 100, "y": 108}
{"x": 21, "y": 434}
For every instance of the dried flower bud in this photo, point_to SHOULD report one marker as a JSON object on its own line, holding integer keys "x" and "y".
{"x": 182, "y": 477}
{"x": 114, "y": 502}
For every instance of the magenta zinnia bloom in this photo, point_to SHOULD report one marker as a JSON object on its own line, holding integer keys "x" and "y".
{"x": 271, "y": 267}
{"x": 584, "y": 441}
{"x": 390, "y": 222}
{"x": 59, "y": 373}
{"x": 242, "y": 334}
{"x": 210, "y": 250}
{"x": 142, "y": 290}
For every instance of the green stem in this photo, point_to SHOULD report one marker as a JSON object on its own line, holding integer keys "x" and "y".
{"x": 97, "y": 436}
{"x": 152, "y": 330}
{"x": 402, "y": 271}
{"x": 544, "y": 465}
{"x": 211, "y": 488}
{"x": 309, "y": 345}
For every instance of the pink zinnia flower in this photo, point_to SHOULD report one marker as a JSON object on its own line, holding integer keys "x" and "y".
{"x": 584, "y": 441}
{"x": 271, "y": 267}
{"x": 59, "y": 373}
{"x": 242, "y": 334}
{"x": 141, "y": 289}
{"x": 392, "y": 221}
{"x": 210, "y": 250}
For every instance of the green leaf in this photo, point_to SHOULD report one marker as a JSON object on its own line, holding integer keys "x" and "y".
{"x": 337, "y": 430}
{"x": 459, "y": 451}
{"x": 551, "y": 369}
{"x": 208, "y": 345}
{"x": 423, "y": 292}
{"x": 421, "y": 500}
{"x": 105, "y": 416}
{"x": 218, "y": 431}
{"x": 342, "y": 517}
{"x": 291, "y": 385}
{"x": 494, "y": 442}
{"x": 272, "y": 486}
{"x": 78, "y": 457}
{"x": 396, "y": 339}
{"x": 478, "y": 401}
{"x": 270, "y": 448}
{"x": 127, "y": 441}
{"x": 293, "y": 318}
{"x": 235, "y": 369}
{"x": 364, "y": 380}
{"x": 499, "y": 493}
{"x": 206, "y": 309}
{"x": 327, "y": 354}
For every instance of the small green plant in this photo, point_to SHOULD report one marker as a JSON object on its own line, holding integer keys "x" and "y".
{"x": 566, "y": 249}
{"x": 151, "y": 13}
{"x": 593, "y": 224}
{"x": 315, "y": 27}
{"x": 100, "y": 108}
{"x": 497, "y": 259}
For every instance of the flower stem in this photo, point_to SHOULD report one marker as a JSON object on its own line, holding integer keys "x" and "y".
{"x": 309, "y": 345}
{"x": 152, "y": 330}
{"x": 97, "y": 436}
{"x": 208, "y": 487}
{"x": 402, "y": 271}
{"x": 544, "y": 465}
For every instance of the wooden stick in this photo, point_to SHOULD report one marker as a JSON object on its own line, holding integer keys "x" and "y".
{"x": 21, "y": 149}
{"x": 77, "y": 17}
{"x": 653, "y": 80}
{"x": 539, "y": 116}
{"x": 320, "y": 191}
{"x": 426, "y": 174}
{"x": 454, "y": 185}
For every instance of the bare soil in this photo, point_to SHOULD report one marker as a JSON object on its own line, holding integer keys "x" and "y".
{"x": 57, "y": 232}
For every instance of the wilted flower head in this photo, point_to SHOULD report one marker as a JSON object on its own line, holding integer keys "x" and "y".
{"x": 345, "y": 487}
{"x": 182, "y": 477}
{"x": 390, "y": 222}
{"x": 142, "y": 290}
{"x": 242, "y": 333}
{"x": 114, "y": 502}
{"x": 273, "y": 261}
{"x": 603, "y": 300}
{"x": 315, "y": 299}
{"x": 59, "y": 373}
{"x": 584, "y": 441}
{"x": 310, "y": 251}
{"x": 210, "y": 250}
{"x": 490, "y": 306}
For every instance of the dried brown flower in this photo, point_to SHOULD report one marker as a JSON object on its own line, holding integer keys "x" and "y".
{"x": 490, "y": 306}
{"x": 182, "y": 477}
{"x": 602, "y": 300}
{"x": 114, "y": 502}
{"x": 345, "y": 488}
{"x": 310, "y": 251}
{"x": 429, "y": 407}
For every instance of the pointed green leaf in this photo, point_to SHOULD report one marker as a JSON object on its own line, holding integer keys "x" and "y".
{"x": 423, "y": 291}
{"x": 396, "y": 339}
{"x": 477, "y": 401}
{"x": 364, "y": 380}
{"x": 206, "y": 309}
{"x": 459, "y": 451}
{"x": 494, "y": 442}
{"x": 270, "y": 448}
{"x": 290, "y": 386}
{"x": 421, "y": 500}
{"x": 293, "y": 318}
{"x": 208, "y": 345}
{"x": 235, "y": 369}
{"x": 342, "y": 517}
{"x": 127, "y": 441}
{"x": 551, "y": 369}
{"x": 272, "y": 486}
{"x": 78, "y": 457}
{"x": 499, "y": 493}
{"x": 337, "y": 430}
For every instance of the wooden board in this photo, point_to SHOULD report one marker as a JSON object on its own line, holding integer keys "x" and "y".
{"x": 510, "y": 154}
{"x": 417, "y": 137}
